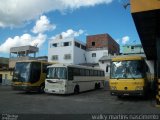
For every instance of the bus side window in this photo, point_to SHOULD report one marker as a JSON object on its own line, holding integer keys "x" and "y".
{"x": 95, "y": 72}
{"x": 87, "y": 72}
{"x": 82, "y": 72}
{"x": 76, "y": 72}
{"x": 102, "y": 73}
{"x": 70, "y": 73}
{"x": 91, "y": 72}
{"x": 99, "y": 73}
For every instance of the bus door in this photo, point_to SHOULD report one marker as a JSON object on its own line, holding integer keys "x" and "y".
{"x": 0, "y": 78}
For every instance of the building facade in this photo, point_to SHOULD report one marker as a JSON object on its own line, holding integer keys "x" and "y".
{"x": 132, "y": 49}
{"x": 100, "y": 49}
{"x": 4, "y": 63}
{"x": 5, "y": 72}
{"x": 6, "y": 77}
{"x": 22, "y": 53}
{"x": 100, "y": 45}
{"x": 66, "y": 50}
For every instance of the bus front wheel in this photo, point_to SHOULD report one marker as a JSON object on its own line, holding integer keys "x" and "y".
{"x": 41, "y": 89}
{"x": 97, "y": 86}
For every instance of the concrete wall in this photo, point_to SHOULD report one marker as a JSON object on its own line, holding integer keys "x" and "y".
{"x": 135, "y": 50}
{"x": 77, "y": 54}
{"x": 60, "y": 50}
{"x": 103, "y": 41}
{"x": 103, "y": 66}
{"x": 6, "y": 77}
{"x": 99, "y": 54}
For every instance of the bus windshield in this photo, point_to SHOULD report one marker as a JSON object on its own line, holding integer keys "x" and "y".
{"x": 22, "y": 72}
{"x": 127, "y": 69}
{"x": 57, "y": 73}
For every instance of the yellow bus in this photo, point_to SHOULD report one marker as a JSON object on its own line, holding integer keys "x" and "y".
{"x": 129, "y": 76}
{"x": 30, "y": 76}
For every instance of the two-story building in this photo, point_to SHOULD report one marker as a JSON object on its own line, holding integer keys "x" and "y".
{"x": 99, "y": 50}
{"x": 100, "y": 45}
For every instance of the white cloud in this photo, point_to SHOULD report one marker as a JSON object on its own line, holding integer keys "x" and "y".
{"x": 25, "y": 39}
{"x": 69, "y": 33}
{"x": 42, "y": 25}
{"x": 125, "y": 39}
{"x": 15, "y": 12}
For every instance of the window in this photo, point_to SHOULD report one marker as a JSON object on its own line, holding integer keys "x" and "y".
{"x": 55, "y": 57}
{"x": 95, "y": 73}
{"x": 77, "y": 44}
{"x": 93, "y": 43}
{"x": 70, "y": 73}
{"x": 87, "y": 72}
{"x": 57, "y": 73}
{"x": 102, "y": 73}
{"x": 93, "y": 54}
{"x": 83, "y": 47}
{"x": 82, "y": 72}
{"x": 54, "y": 45}
{"x": 99, "y": 73}
{"x": 76, "y": 72}
{"x": 66, "y": 44}
{"x": 91, "y": 72}
{"x": 132, "y": 47}
{"x": 67, "y": 56}
{"x": 107, "y": 68}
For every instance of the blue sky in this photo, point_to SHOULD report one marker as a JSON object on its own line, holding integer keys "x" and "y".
{"x": 36, "y": 24}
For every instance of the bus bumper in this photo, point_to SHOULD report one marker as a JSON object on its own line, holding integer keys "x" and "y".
{"x": 128, "y": 93}
{"x": 53, "y": 91}
{"x": 25, "y": 88}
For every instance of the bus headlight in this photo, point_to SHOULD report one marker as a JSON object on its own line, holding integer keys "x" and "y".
{"x": 113, "y": 88}
{"x": 139, "y": 88}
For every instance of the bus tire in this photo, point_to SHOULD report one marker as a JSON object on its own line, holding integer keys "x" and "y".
{"x": 41, "y": 89}
{"x": 76, "y": 89}
{"x": 98, "y": 86}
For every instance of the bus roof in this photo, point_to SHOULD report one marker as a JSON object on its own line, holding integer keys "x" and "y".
{"x": 74, "y": 66}
{"x": 127, "y": 57}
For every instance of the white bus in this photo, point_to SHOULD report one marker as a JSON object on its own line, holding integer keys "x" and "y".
{"x": 66, "y": 79}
